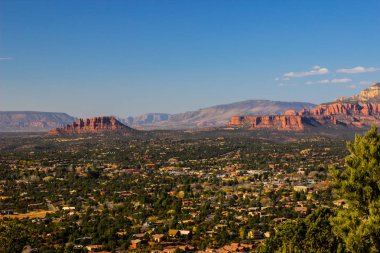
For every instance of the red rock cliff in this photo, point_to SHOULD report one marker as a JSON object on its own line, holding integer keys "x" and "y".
{"x": 348, "y": 109}
{"x": 93, "y": 125}
{"x": 350, "y": 114}
{"x": 279, "y": 122}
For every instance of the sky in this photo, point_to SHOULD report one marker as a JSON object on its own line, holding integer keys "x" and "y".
{"x": 89, "y": 58}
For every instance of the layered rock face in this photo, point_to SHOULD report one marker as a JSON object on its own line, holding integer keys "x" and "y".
{"x": 278, "y": 122}
{"x": 371, "y": 94}
{"x": 359, "y": 110}
{"x": 93, "y": 125}
{"x": 286, "y": 122}
{"x": 299, "y": 121}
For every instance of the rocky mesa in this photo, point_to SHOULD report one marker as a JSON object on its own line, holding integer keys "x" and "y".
{"x": 92, "y": 125}
{"x": 357, "y": 111}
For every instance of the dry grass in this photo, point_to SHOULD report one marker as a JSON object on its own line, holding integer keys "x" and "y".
{"x": 30, "y": 215}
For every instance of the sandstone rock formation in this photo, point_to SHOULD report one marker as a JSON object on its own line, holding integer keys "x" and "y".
{"x": 93, "y": 125}
{"x": 358, "y": 111}
{"x": 371, "y": 94}
{"x": 282, "y": 122}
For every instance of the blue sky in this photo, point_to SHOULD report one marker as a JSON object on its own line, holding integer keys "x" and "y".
{"x": 123, "y": 58}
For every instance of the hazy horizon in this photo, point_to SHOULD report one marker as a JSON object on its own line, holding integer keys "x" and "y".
{"x": 134, "y": 57}
{"x": 152, "y": 112}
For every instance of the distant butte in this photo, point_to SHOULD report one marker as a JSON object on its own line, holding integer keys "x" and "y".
{"x": 92, "y": 125}
{"x": 357, "y": 111}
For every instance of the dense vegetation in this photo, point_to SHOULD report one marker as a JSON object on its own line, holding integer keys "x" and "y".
{"x": 354, "y": 228}
{"x": 63, "y": 194}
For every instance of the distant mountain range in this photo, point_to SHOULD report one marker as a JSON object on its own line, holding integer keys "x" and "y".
{"x": 213, "y": 116}
{"x": 219, "y": 115}
{"x": 147, "y": 118}
{"x": 29, "y": 121}
{"x": 358, "y": 111}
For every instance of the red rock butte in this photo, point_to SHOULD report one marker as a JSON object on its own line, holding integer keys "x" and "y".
{"x": 356, "y": 111}
{"x": 92, "y": 125}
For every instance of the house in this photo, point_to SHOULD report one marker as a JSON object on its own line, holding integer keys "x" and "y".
{"x": 158, "y": 237}
{"x": 29, "y": 249}
{"x": 78, "y": 247}
{"x": 300, "y": 188}
{"x": 138, "y": 236}
{"x": 173, "y": 233}
{"x": 185, "y": 233}
{"x": 255, "y": 234}
{"x": 279, "y": 220}
{"x": 121, "y": 232}
{"x": 301, "y": 209}
{"x": 135, "y": 244}
{"x": 340, "y": 202}
{"x": 68, "y": 208}
{"x": 186, "y": 248}
{"x": 93, "y": 248}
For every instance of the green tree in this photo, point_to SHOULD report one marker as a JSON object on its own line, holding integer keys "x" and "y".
{"x": 359, "y": 185}
{"x": 14, "y": 236}
{"x": 310, "y": 235}
{"x": 242, "y": 233}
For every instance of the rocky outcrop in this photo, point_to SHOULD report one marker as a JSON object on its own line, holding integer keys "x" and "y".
{"x": 348, "y": 109}
{"x": 371, "y": 94}
{"x": 283, "y": 122}
{"x": 357, "y": 111}
{"x": 93, "y": 125}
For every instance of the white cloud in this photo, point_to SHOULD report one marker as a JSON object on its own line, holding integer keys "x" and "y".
{"x": 324, "y": 81}
{"x": 341, "y": 80}
{"x": 6, "y": 58}
{"x": 282, "y": 85}
{"x": 335, "y": 80}
{"x": 316, "y": 70}
{"x": 358, "y": 70}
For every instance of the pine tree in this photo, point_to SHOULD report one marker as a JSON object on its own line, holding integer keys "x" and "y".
{"x": 359, "y": 185}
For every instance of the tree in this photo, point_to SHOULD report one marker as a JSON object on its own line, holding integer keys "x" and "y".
{"x": 310, "y": 235}
{"x": 14, "y": 236}
{"x": 359, "y": 185}
{"x": 242, "y": 233}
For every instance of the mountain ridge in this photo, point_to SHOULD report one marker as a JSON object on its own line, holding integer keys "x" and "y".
{"x": 361, "y": 110}
{"x": 218, "y": 115}
{"x": 213, "y": 116}
{"x": 30, "y": 121}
